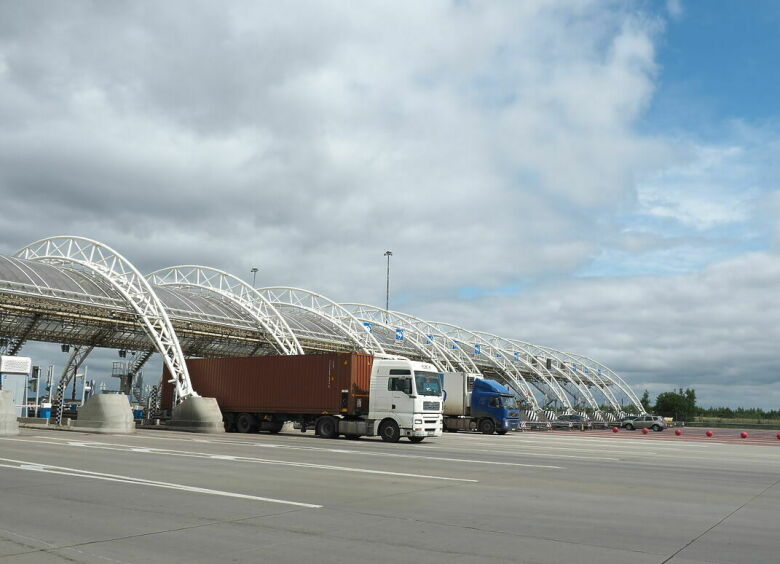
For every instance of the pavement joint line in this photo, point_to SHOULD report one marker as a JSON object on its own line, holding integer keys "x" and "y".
{"x": 697, "y": 537}
{"x": 53, "y": 548}
{"x": 79, "y": 473}
{"x": 205, "y": 455}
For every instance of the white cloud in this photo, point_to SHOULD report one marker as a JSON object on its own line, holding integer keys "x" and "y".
{"x": 489, "y": 145}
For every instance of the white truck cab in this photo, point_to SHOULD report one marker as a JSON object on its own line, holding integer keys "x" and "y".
{"x": 405, "y": 399}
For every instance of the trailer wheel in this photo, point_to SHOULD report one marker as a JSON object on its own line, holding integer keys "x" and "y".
{"x": 276, "y": 428}
{"x": 246, "y": 423}
{"x": 487, "y": 427}
{"x": 389, "y": 431}
{"x": 327, "y": 428}
{"x": 416, "y": 439}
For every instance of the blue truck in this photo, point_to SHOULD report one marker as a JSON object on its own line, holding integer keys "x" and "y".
{"x": 474, "y": 403}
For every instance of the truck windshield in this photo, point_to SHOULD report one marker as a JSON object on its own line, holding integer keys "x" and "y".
{"x": 428, "y": 383}
{"x": 509, "y": 402}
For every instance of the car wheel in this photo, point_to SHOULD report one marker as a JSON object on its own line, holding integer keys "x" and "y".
{"x": 487, "y": 427}
{"x": 656, "y": 427}
{"x": 389, "y": 431}
{"x": 629, "y": 427}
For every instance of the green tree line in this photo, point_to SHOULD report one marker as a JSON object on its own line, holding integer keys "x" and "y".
{"x": 681, "y": 404}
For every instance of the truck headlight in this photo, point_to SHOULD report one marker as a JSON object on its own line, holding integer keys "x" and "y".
{"x": 418, "y": 422}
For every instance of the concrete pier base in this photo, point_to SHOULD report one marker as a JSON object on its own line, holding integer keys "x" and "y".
{"x": 8, "y": 422}
{"x": 105, "y": 413}
{"x": 197, "y": 415}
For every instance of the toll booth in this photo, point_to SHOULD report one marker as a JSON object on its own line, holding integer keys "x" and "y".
{"x": 14, "y": 375}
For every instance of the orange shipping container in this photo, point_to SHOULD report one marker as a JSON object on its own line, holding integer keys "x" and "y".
{"x": 305, "y": 384}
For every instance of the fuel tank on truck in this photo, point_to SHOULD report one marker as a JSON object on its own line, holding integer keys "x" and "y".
{"x": 313, "y": 383}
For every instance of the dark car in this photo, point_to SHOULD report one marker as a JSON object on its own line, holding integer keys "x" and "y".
{"x": 572, "y": 421}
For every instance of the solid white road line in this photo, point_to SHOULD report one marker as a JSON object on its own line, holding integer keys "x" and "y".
{"x": 190, "y": 454}
{"x": 78, "y": 473}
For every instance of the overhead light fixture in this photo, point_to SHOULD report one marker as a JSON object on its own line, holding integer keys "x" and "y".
{"x": 65, "y": 348}
{"x": 122, "y": 353}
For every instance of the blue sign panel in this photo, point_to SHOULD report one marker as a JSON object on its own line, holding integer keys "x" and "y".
{"x": 477, "y": 349}
{"x": 430, "y": 340}
{"x": 399, "y": 334}
{"x": 367, "y": 325}
{"x": 517, "y": 357}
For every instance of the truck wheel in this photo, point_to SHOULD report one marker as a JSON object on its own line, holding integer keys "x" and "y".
{"x": 389, "y": 431}
{"x": 276, "y": 427}
{"x": 487, "y": 427}
{"x": 416, "y": 439}
{"x": 327, "y": 428}
{"x": 246, "y": 423}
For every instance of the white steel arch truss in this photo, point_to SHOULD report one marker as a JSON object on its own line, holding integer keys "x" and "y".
{"x": 428, "y": 348}
{"x": 619, "y": 382}
{"x": 535, "y": 351}
{"x": 327, "y": 309}
{"x": 540, "y": 371}
{"x": 237, "y": 291}
{"x": 454, "y": 352}
{"x": 133, "y": 287}
{"x": 576, "y": 367}
{"x": 494, "y": 356}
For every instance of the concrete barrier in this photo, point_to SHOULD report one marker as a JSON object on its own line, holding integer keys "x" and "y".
{"x": 105, "y": 413}
{"x": 8, "y": 423}
{"x": 197, "y": 415}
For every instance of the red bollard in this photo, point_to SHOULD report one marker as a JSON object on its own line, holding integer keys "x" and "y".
{"x": 778, "y": 436}
{"x": 744, "y": 435}
{"x": 708, "y": 433}
{"x": 615, "y": 429}
{"x": 645, "y": 430}
{"x": 678, "y": 432}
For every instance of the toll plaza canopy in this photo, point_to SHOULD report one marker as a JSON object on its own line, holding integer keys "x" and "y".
{"x": 77, "y": 291}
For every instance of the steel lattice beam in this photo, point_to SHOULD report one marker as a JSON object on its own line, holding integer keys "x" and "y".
{"x": 130, "y": 283}
{"x": 238, "y": 292}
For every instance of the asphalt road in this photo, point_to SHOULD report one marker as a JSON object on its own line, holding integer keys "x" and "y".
{"x": 159, "y": 496}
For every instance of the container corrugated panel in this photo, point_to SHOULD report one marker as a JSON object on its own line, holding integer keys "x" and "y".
{"x": 282, "y": 384}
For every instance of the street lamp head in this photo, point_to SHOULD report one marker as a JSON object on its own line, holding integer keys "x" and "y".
{"x": 388, "y": 253}
{"x": 255, "y": 269}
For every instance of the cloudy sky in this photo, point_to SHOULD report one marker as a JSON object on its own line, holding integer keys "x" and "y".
{"x": 601, "y": 177}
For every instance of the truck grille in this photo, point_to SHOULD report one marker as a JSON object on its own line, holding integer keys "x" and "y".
{"x": 431, "y": 406}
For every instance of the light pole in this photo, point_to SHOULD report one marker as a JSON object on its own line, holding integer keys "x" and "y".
{"x": 254, "y": 275}
{"x": 388, "y": 254}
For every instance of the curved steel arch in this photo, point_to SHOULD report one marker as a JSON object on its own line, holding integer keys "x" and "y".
{"x": 552, "y": 383}
{"x": 588, "y": 381}
{"x": 619, "y": 382}
{"x": 582, "y": 388}
{"x": 454, "y": 352}
{"x": 382, "y": 318}
{"x": 429, "y": 348}
{"x": 134, "y": 288}
{"x": 327, "y": 309}
{"x": 509, "y": 370}
{"x": 237, "y": 291}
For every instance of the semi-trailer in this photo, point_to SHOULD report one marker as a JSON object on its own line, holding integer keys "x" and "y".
{"x": 474, "y": 403}
{"x": 350, "y": 394}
